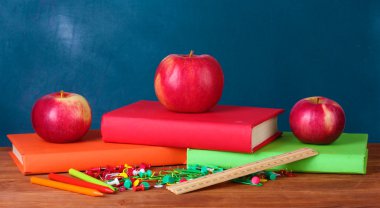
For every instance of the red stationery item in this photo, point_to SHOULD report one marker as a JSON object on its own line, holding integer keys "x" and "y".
{"x": 33, "y": 155}
{"x": 78, "y": 182}
{"x": 227, "y": 128}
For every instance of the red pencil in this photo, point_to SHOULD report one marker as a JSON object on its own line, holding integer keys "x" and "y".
{"x": 78, "y": 182}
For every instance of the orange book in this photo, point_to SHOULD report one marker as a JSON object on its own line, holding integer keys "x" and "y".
{"x": 33, "y": 155}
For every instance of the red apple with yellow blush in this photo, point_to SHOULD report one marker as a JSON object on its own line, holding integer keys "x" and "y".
{"x": 189, "y": 83}
{"x": 317, "y": 120}
{"x": 61, "y": 117}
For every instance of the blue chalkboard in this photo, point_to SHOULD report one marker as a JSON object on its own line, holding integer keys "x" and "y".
{"x": 273, "y": 53}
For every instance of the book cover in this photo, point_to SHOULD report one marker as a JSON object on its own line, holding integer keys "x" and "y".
{"x": 33, "y": 155}
{"x": 228, "y": 128}
{"x": 348, "y": 154}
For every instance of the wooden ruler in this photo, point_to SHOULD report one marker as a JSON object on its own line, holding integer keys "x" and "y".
{"x": 240, "y": 171}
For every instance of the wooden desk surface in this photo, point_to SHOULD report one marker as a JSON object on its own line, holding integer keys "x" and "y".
{"x": 304, "y": 190}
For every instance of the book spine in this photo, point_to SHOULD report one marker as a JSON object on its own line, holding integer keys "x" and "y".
{"x": 323, "y": 163}
{"x": 170, "y": 133}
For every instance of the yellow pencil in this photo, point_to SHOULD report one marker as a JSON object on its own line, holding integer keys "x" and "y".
{"x": 65, "y": 186}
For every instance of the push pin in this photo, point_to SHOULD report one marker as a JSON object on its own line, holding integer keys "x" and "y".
{"x": 110, "y": 176}
{"x": 115, "y": 182}
{"x": 130, "y": 171}
{"x": 119, "y": 168}
{"x": 142, "y": 174}
{"x": 128, "y": 183}
{"x": 290, "y": 174}
{"x": 138, "y": 188}
{"x": 90, "y": 173}
{"x": 287, "y": 173}
{"x": 144, "y": 166}
{"x": 94, "y": 172}
{"x": 149, "y": 173}
{"x": 271, "y": 175}
{"x": 145, "y": 184}
{"x": 183, "y": 180}
{"x": 255, "y": 180}
{"x": 192, "y": 167}
{"x": 135, "y": 172}
{"x": 168, "y": 179}
{"x": 97, "y": 169}
{"x": 136, "y": 183}
{"x": 122, "y": 188}
{"x": 204, "y": 170}
{"x": 263, "y": 180}
{"x": 123, "y": 174}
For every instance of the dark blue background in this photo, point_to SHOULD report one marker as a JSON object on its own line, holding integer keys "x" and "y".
{"x": 273, "y": 53}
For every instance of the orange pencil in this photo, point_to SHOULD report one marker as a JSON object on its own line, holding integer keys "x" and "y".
{"x": 64, "y": 186}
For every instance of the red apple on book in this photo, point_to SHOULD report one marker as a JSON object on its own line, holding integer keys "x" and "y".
{"x": 61, "y": 117}
{"x": 317, "y": 120}
{"x": 189, "y": 83}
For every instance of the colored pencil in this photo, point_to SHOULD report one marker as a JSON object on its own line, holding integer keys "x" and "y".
{"x": 78, "y": 182}
{"x": 64, "y": 186}
{"x": 88, "y": 178}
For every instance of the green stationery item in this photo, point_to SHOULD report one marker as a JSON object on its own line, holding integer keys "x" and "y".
{"x": 348, "y": 154}
{"x": 88, "y": 178}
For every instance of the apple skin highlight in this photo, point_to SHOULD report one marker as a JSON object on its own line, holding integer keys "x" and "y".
{"x": 61, "y": 117}
{"x": 317, "y": 120}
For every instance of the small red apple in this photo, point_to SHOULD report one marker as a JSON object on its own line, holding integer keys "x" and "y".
{"x": 61, "y": 117}
{"x": 317, "y": 120}
{"x": 189, "y": 83}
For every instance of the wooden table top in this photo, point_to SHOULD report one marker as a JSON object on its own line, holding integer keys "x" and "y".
{"x": 304, "y": 190}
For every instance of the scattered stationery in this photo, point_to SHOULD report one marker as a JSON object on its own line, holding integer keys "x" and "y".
{"x": 81, "y": 183}
{"x": 141, "y": 178}
{"x": 33, "y": 155}
{"x": 64, "y": 186}
{"x": 347, "y": 155}
{"x": 240, "y": 171}
{"x": 228, "y": 128}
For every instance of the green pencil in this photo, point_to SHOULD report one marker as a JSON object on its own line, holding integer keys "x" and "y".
{"x": 88, "y": 178}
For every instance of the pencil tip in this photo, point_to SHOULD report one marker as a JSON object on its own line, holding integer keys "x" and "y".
{"x": 108, "y": 191}
{"x": 97, "y": 193}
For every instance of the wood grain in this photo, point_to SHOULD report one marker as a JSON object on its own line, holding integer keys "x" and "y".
{"x": 304, "y": 190}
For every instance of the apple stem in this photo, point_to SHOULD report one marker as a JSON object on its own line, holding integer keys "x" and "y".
{"x": 317, "y": 100}
{"x": 191, "y": 53}
{"x": 61, "y": 93}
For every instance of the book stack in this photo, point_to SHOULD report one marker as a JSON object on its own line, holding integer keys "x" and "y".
{"x": 225, "y": 136}
{"x": 229, "y": 136}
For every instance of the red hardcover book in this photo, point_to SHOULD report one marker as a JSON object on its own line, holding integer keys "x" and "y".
{"x": 227, "y": 128}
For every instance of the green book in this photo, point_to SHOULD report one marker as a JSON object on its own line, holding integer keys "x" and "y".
{"x": 348, "y": 154}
